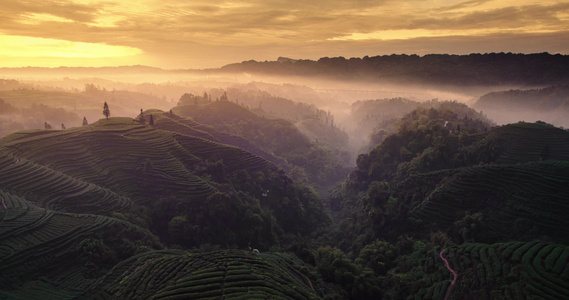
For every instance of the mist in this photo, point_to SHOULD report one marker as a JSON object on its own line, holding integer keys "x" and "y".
{"x": 32, "y": 97}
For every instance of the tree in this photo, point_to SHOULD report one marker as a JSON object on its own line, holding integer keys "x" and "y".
{"x": 142, "y": 118}
{"x": 46, "y": 125}
{"x": 62, "y": 126}
{"x": 91, "y": 88}
{"x": 151, "y": 122}
{"x": 85, "y": 121}
{"x": 106, "y": 111}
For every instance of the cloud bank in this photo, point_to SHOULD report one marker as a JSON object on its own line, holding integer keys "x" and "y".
{"x": 199, "y": 34}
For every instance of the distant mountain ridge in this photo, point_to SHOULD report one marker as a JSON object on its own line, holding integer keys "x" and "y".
{"x": 474, "y": 69}
{"x": 534, "y": 69}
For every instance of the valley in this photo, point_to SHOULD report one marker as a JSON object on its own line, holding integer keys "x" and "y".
{"x": 253, "y": 181}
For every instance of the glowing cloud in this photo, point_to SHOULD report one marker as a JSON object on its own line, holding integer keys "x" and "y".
{"x": 35, "y": 19}
{"x": 386, "y": 35}
{"x": 204, "y": 33}
{"x": 24, "y": 46}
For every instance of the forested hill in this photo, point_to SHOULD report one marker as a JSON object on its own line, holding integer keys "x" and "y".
{"x": 550, "y": 104}
{"x": 491, "y": 201}
{"x": 318, "y": 159}
{"x": 84, "y": 211}
{"x": 471, "y": 70}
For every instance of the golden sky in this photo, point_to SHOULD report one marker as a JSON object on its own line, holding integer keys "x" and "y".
{"x": 186, "y": 34}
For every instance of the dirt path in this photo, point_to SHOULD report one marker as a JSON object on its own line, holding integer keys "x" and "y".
{"x": 447, "y": 295}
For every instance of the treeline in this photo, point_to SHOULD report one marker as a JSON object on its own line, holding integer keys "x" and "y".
{"x": 549, "y": 104}
{"x": 382, "y": 117}
{"x": 474, "y": 69}
{"x": 545, "y": 99}
{"x": 259, "y": 101}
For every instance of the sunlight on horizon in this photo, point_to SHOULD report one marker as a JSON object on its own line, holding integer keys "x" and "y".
{"x": 20, "y": 51}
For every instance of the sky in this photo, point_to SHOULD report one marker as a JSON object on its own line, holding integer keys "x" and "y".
{"x": 196, "y": 34}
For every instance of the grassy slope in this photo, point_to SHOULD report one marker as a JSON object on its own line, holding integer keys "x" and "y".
{"x": 107, "y": 168}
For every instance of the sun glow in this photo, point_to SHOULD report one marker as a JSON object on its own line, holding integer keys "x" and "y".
{"x": 25, "y": 46}
{"x": 21, "y": 50}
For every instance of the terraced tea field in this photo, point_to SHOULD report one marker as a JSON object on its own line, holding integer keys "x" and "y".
{"x": 516, "y": 201}
{"x": 108, "y": 155}
{"x": 184, "y": 126}
{"x": 66, "y": 196}
{"x": 522, "y": 142}
{"x": 228, "y": 274}
{"x": 37, "y": 243}
{"x": 515, "y": 270}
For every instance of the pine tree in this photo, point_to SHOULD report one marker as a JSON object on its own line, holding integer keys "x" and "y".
{"x": 62, "y": 126}
{"x": 151, "y": 122}
{"x": 106, "y": 111}
{"x": 46, "y": 125}
{"x": 85, "y": 121}
{"x": 142, "y": 118}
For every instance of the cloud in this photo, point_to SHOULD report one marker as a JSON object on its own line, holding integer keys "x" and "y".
{"x": 65, "y": 10}
{"x": 208, "y": 31}
{"x": 463, "y": 5}
{"x": 507, "y": 17}
{"x": 23, "y": 46}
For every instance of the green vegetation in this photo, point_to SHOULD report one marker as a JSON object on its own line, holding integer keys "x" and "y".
{"x": 282, "y": 139}
{"x": 493, "y": 198}
{"x": 165, "y": 205}
{"x": 106, "y": 111}
{"x": 96, "y": 192}
{"x": 550, "y": 103}
{"x": 227, "y": 274}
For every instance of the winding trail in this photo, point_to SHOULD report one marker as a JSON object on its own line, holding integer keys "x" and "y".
{"x": 5, "y": 210}
{"x": 447, "y": 295}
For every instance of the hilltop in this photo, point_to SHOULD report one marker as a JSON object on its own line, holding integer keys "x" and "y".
{"x": 73, "y": 187}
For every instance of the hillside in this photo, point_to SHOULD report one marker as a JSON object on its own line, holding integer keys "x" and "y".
{"x": 494, "y": 200}
{"x": 219, "y": 199}
{"x": 175, "y": 123}
{"x": 380, "y": 118}
{"x": 27, "y": 107}
{"x": 226, "y": 274}
{"x": 549, "y": 104}
{"x": 324, "y": 161}
{"x": 109, "y": 190}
